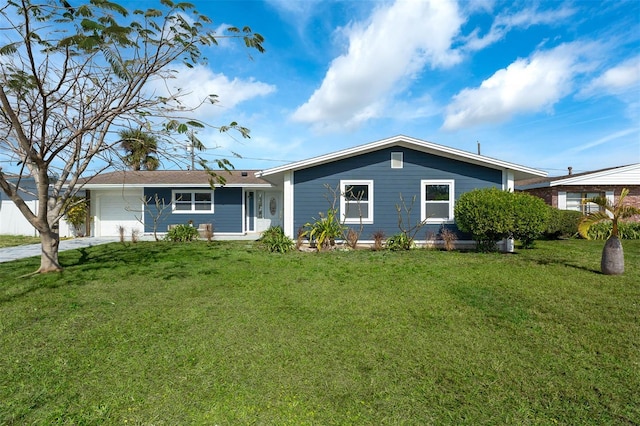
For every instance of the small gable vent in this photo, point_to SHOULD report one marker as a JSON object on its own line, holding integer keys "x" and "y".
{"x": 396, "y": 160}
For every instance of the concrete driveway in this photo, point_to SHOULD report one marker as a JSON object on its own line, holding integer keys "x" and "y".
{"x": 21, "y": 252}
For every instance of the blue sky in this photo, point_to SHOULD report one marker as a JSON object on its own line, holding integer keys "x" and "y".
{"x": 544, "y": 84}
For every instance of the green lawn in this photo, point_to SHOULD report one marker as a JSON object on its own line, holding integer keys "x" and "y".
{"x": 223, "y": 333}
{"x": 17, "y": 240}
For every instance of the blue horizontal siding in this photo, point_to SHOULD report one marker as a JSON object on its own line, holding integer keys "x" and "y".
{"x": 227, "y": 213}
{"x": 310, "y": 194}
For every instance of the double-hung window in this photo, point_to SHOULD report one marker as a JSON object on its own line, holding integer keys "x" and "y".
{"x": 356, "y": 201}
{"x": 437, "y": 197}
{"x": 192, "y": 201}
{"x": 577, "y": 201}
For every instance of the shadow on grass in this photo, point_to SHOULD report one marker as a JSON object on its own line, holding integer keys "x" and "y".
{"x": 158, "y": 260}
{"x": 567, "y": 263}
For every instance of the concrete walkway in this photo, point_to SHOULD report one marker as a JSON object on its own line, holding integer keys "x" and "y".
{"x": 21, "y": 252}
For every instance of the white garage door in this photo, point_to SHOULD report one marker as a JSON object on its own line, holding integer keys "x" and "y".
{"x": 119, "y": 210}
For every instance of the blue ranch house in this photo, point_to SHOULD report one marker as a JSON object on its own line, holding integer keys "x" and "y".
{"x": 364, "y": 183}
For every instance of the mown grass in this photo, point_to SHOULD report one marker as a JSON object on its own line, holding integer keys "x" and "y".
{"x": 17, "y": 240}
{"x": 223, "y": 333}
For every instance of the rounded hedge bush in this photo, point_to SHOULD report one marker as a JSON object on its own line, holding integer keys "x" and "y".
{"x": 486, "y": 215}
{"x": 490, "y": 215}
{"x": 531, "y": 215}
{"x": 562, "y": 223}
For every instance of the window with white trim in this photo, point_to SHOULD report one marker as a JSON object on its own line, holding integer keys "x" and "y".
{"x": 356, "y": 201}
{"x": 396, "y": 160}
{"x": 577, "y": 201}
{"x": 437, "y": 198}
{"x": 192, "y": 201}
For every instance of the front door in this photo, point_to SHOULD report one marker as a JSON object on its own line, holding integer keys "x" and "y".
{"x": 268, "y": 209}
{"x": 273, "y": 208}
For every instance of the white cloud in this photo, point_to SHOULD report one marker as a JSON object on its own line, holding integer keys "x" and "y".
{"x": 197, "y": 83}
{"x": 506, "y": 22}
{"x": 605, "y": 139}
{"x": 616, "y": 80}
{"x": 398, "y": 41}
{"x": 527, "y": 85}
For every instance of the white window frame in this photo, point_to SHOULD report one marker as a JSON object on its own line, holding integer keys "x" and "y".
{"x": 193, "y": 201}
{"x": 397, "y": 160}
{"x": 343, "y": 201}
{"x": 587, "y": 208}
{"x": 423, "y": 199}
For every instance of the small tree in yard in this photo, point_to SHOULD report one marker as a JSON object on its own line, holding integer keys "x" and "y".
{"x": 612, "y": 262}
{"x": 156, "y": 212}
{"x": 405, "y": 240}
{"x": 72, "y": 77}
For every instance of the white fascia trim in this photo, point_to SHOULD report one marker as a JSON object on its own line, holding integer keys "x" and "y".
{"x": 409, "y": 143}
{"x": 579, "y": 179}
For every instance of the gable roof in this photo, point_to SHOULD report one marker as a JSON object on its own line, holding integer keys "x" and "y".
{"x": 173, "y": 179}
{"x": 520, "y": 172}
{"x": 619, "y": 175}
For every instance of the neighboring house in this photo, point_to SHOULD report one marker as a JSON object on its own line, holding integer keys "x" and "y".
{"x": 12, "y": 221}
{"x": 127, "y": 199}
{"x": 380, "y": 173}
{"x": 568, "y": 192}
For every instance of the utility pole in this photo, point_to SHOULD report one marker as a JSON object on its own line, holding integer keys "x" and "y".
{"x": 192, "y": 150}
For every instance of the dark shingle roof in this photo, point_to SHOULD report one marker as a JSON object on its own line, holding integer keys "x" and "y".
{"x": 173, "y": 177}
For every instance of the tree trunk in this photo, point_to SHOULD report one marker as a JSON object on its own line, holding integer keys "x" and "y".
{"x": 612, "y": 257}
{"x": 49, "y": 259}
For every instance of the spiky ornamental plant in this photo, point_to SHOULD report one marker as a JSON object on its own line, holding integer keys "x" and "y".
{"x": 612, "y": 262}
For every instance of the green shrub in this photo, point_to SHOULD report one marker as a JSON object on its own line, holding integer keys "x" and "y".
{"x": 486, "y": 215}
{"x": 490, "y": 214}
{"x": 275, "y": 240}
{"x": 626, "y": 231}
{"x": 325, "y": 230}
{"x": 182, "y": 233}
{"x": 399, "y": 242}
{"x": 562, "y": 223}
{"x": 76, "y": 212}
{"x": 530, "y": 217}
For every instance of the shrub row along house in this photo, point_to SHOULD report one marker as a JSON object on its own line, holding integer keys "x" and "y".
{"x": 366, "y": 184}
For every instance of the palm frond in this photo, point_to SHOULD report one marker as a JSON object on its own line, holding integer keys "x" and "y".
{"x": 589, "y": 220}
{"x": 628, "y": 211}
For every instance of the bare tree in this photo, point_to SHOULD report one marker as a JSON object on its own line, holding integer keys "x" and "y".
{"x": 71, "y": 77}
{"x": 408, "y": 230}
{"x": 157, "y": 212}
